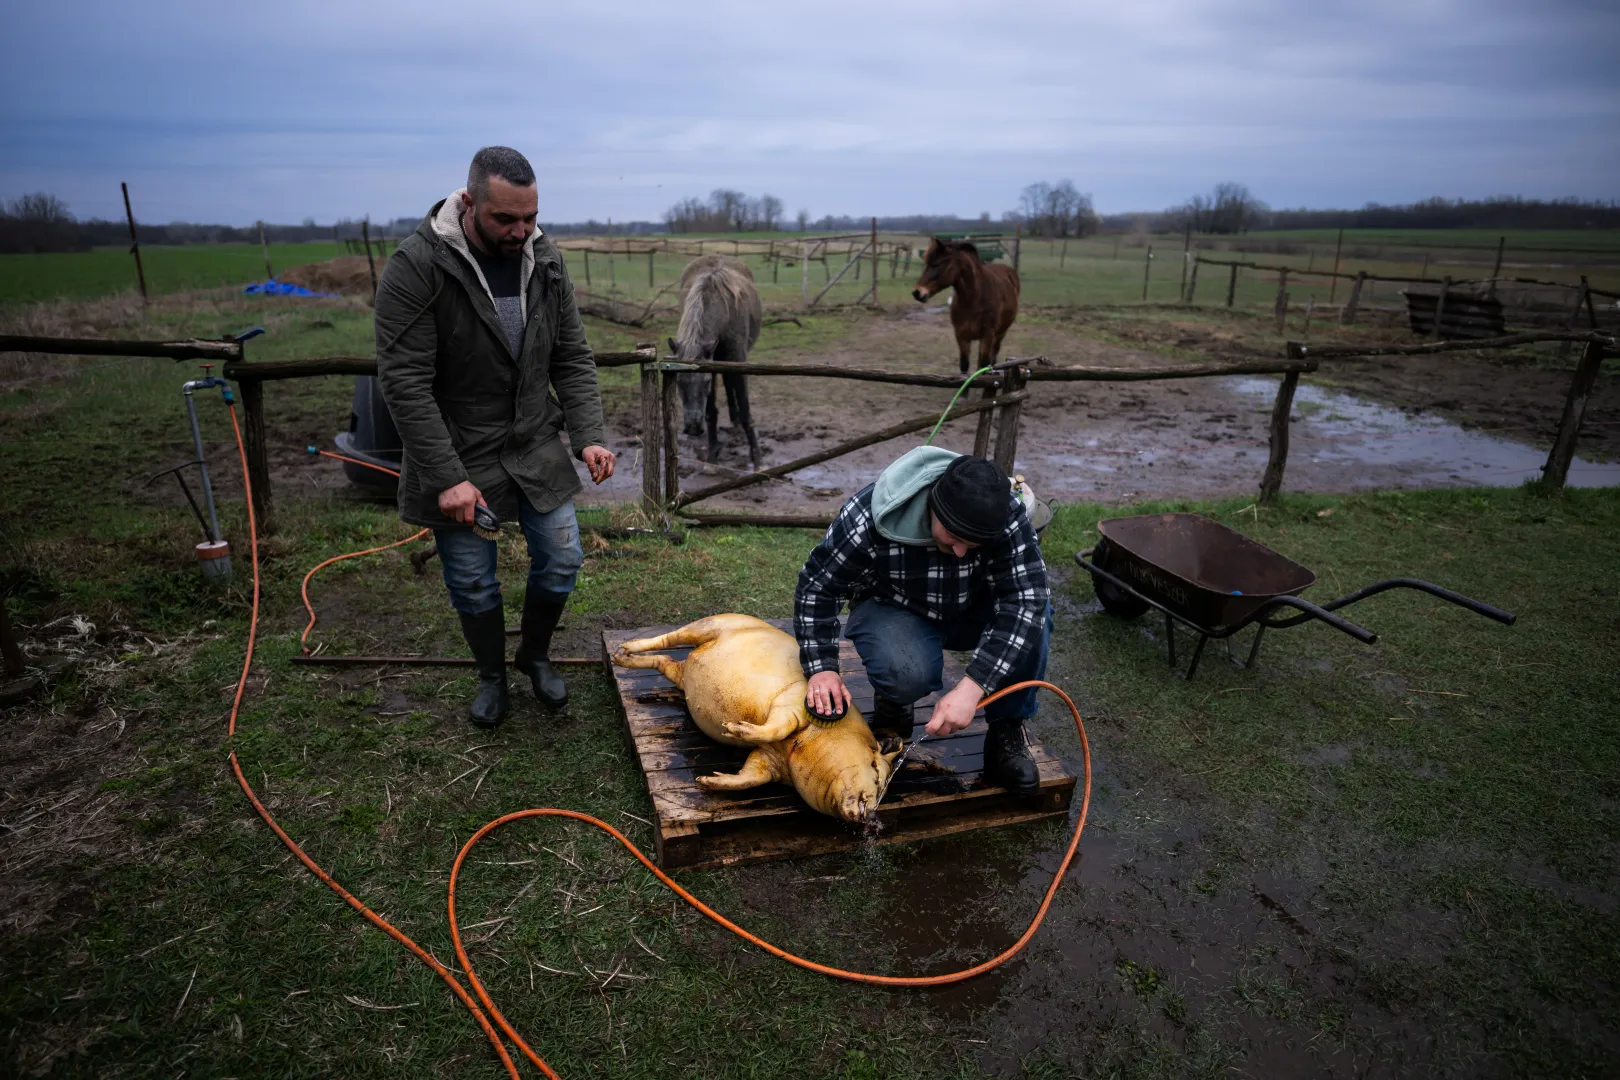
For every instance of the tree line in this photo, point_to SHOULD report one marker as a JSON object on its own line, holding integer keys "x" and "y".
{"x": 41, "y": 222}
{"x": 726, "y": 210}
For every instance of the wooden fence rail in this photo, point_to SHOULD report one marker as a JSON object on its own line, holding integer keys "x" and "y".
{"x": 164, "y": 350}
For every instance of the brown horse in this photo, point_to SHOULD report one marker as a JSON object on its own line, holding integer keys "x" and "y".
{"x": 986, "y": 301}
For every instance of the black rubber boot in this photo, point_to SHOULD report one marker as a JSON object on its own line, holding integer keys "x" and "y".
{"x": 486, "y": 637}
{"x": 1007, "y": 760}
{"x": 541, "y": 613}
{"x": 892, "y": 718}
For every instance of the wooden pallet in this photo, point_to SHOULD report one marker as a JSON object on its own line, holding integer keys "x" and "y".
{"x": 697, "y": 829}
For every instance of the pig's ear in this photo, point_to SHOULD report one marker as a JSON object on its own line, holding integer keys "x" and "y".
{"x": 891, "y": 756}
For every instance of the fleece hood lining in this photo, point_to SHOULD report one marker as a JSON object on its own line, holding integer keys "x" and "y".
{"x": 447, "y": 227}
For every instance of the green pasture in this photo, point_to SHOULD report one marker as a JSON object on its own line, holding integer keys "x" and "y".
{"x": 169, "y": 269}
{"x": 1432, "y": 822}
{"x": 1102, "y": 269}
{"x": 1554, "y": 241}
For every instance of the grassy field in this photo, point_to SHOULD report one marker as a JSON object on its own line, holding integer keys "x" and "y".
{"x": 1354, "y": 860}
{"x": 83, "y": 275}
{"x": 1098, "y": 270}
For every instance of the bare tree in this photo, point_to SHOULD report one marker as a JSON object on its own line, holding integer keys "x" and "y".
{"x": 730, "y": 206}
{"x": 1033, "y": 204}
{"x": 804, "y": 220}
{"x": 770, "y": 212}
{"x": 39, "y": 208}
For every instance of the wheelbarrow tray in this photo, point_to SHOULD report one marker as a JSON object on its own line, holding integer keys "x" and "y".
{"x": 1198, "y": 568}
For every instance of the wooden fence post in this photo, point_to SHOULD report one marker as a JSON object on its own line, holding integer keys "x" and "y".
{"x": 1440, "y": 307}
{"x": 1348, "y": 315}
{"x": 874, "y": 263}
{"x": 1333, "y": 289}
{"x": 652, "y": 441}
{"x": 1282, "y": 300}
{"x": 371, "y": 264}
{"x": 134, "y": 244}
{"x": 1186, "y": 250}
{"x": 1501, "y": 243}
{"x": 256, "y": 445}
{"x": 804, "y": 272}
{"x": 1231, "y": 286}
{"x": 1063, "y": 255}
{"x": 587, "y": 253}
{"x": 650, "y": 268}
{"x": 1583, "y": 297}
{"x": 671, "y": 447}
{"x": 1556, "y": 471}
{"x": 1007, "y": 428}
{"x": 1147, "y": 269}
{"x": 1271, "y": 482}
{"x": 981, "y": 435}
{"x": 1018, "y": 244}
{"x": 269, "y": 274}
{"x": 1192, "y": 280}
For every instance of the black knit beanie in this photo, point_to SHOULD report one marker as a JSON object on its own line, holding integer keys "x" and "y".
{"x": 971, "y": 499}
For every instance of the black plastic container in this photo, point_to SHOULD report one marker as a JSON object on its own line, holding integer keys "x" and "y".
{"x": 371, "y": 437}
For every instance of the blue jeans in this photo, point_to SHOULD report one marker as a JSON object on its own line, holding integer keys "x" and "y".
{"x": 904, "y": 654}
{"x": 554, "y": 558}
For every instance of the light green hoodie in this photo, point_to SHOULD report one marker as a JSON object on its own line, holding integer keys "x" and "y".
{"x": 900, "y": 496}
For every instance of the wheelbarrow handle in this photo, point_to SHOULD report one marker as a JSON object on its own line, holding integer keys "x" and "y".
{"x": 1506, "y": 618}
{"x": 1310, "y": 611}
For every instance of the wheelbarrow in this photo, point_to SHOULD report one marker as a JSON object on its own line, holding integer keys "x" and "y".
{"x": 1215, "y": 581}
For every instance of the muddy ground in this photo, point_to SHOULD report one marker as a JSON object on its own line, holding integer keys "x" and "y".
{"x": 1117, "y": 441}
{"x": 1397, "y": 423}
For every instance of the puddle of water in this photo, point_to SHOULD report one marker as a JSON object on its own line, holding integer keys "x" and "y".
{"x": 1336, "y": 428}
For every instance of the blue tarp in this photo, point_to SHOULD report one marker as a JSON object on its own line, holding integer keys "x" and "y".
{"x": 282, "y": 288}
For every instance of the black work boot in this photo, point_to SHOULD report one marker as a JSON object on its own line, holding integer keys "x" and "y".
{"x": 1007, "y": 760}
{"x": 486, "y": 637}
{"x": 541, "y": 613}
{"x": 892, "y": 718}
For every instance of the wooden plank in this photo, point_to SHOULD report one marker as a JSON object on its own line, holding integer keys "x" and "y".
{"x": 698, "y": 829}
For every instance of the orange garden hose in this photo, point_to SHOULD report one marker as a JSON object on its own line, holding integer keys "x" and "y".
{"x": 484, "y": 1009}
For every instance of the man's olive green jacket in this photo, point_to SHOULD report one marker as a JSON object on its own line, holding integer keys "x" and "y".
{"x": 465, "y": 409}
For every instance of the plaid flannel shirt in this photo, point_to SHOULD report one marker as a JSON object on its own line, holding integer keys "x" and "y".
{"x": 854, "y": 562}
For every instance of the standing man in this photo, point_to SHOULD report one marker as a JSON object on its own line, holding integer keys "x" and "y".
{"x": 483, "y": 363}
{"x": 937, "y": 554}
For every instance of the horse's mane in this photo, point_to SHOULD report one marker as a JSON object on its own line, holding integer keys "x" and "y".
{"x": 969, "y": 247}
{"x": 719, "y": 286}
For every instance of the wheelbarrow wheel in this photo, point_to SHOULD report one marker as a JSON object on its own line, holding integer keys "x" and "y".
{"x": 1115, "y": 601}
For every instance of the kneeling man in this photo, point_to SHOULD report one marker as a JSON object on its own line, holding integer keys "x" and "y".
{"x": 937, "y": 554}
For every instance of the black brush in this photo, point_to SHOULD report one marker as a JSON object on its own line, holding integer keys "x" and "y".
{"x": 838, "y": 713}
{"x": 485, "y": 523}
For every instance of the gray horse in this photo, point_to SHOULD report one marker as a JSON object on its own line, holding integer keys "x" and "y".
{"x": 720, "y": 319}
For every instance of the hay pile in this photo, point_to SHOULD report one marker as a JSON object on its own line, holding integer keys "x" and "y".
{"x": 347, "y": 275}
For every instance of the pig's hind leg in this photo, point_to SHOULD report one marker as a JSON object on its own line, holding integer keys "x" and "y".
{"x": 756, "y": 770}
{"x": 784, "y": 721}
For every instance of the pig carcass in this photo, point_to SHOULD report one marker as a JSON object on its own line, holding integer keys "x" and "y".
{"x": 744, "y": 687}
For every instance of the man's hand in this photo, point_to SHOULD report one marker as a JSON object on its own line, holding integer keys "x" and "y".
{"x": 457, "y": 503}
{"x": 598, "y": 459}
{"x": 955, "y": 710}
{"x": 827, "y": 692}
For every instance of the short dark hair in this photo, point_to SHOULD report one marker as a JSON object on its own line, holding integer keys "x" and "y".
{"x": 501, "y": 161}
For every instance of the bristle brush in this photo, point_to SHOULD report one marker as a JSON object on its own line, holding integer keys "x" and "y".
{"x": 485, "y": 523}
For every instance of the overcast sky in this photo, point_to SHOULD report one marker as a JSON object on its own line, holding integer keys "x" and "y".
{"x": 294, "y": 109}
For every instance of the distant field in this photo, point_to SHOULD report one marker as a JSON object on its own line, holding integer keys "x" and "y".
{"x": 1099, "y": 269}
{"x": 1601, "y": 241}
{"x": 81, "y": 275}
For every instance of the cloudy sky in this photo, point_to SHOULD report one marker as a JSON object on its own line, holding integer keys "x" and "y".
{"x": 295, "y": 109}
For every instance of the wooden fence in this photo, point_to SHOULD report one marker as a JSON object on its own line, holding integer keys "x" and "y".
{"x": 1003, "y": 390}
{"x": 1583, "y": 293}
{"x": 857, "y": 250}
